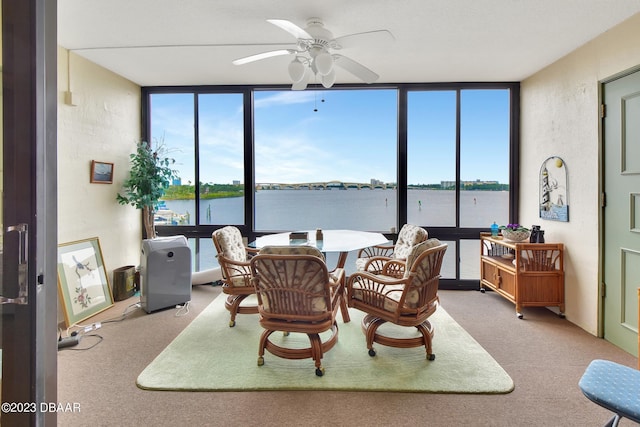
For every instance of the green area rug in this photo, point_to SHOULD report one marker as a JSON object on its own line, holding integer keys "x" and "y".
{"x": 210, "y": 356}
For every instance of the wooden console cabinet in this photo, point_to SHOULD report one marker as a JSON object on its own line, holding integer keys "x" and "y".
{"x": 527, "y": 274}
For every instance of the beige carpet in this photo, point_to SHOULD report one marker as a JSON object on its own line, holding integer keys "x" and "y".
{"x": 210, "y": 356}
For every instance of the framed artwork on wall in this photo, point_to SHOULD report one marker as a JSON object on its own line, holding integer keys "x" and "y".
{"x": 554, "y": 190}
{"x": 83, "y": 285}
{"x": 101, "y": 172}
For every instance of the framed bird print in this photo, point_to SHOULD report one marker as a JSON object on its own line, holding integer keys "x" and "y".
{"x": 554, "y": 191}
{"x": 83, "y": 286}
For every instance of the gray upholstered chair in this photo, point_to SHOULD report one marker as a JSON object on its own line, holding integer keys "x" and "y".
{"x": 406, "y": 301}
{"x": 233, "y": 257}
{"x": 373, "y": 258}
{"x": 296, "y": 295}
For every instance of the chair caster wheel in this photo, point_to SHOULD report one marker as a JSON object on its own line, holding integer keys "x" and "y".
{"x": 482, "y": 291}
{"x": 561, "y": 315}
{"x": 520, "y": 315}
{"x": 232, "y": 323}
{"x": 431, "y": 356}
{"x": 285, "y": 333}
{"x": 260, "y": 361}
{"x": 319, "y": 371}
{"x": 372, "y": 352}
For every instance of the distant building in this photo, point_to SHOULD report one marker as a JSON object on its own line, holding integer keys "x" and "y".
{"x": 236, "y": 182}
{"x": 177, "y": 181}
{"x": 450, "y": 184}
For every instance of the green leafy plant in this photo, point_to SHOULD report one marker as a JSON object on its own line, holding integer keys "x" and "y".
{"x": 150, "y": 175}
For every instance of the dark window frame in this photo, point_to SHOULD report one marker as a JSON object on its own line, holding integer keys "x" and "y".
{"x": 455, "y": 234}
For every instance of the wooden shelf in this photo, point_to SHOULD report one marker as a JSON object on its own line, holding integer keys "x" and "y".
{"x": 527, "y": 274}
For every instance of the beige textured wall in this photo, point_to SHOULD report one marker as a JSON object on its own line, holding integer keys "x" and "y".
{"x": 103, "y": 125}
{"x": 559, "y": 117}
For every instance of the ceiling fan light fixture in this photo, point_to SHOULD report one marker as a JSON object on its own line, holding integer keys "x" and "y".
{"x": 296, "y": 70}
{"x": 329, "y": 79}
{"x": 324, "y": 63}
{"x": 314, "y": 56}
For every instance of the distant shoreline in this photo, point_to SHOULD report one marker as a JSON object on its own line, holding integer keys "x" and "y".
{"x": 228, "y": 194}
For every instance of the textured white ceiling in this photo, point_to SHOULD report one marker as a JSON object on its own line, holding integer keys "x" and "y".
{"x": 192, "y": 42}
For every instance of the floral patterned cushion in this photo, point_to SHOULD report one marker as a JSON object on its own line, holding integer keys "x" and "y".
{"x": 394, "y": 292}
{"x": 318, "y": 304}
{"x": 241, "y": 279}
{"x": 232, "y": 248}
{"x": 360, "y": 262}
{"x": 416, "y": 252}
{"x": 334, "y": 275}
{"x": 409, "y": 236}
{"x": 302, "y": 250}
{"x": 292, "y": 250}
{"x": 231, "y": 243}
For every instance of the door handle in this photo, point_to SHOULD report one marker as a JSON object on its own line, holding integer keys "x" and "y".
{"x": 23, "y": 265}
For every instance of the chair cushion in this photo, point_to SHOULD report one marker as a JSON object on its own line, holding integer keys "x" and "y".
{"x": 393, "y": 294}
{"x": 334, "y": 275}
{"x": 241, "y": 280}
{"x": 613, "y": 386}
{"x": 230, "y": 240}
{"x": 360, "y": 262}
{"x": 409, "y": 236}
{"x": 416, "y": 251}
{"x": 292, "y": 250}
{"x": 318, "y": 304}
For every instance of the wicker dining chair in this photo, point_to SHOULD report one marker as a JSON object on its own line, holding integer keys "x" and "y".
{"x": 406, "y": 301}
{"x": 296, "y": 294}
{"x": 373, "y": 258}
{"x": 233, "y": 257}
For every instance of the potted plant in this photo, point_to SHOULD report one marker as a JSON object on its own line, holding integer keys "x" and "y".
{"x": 150, "y": 174}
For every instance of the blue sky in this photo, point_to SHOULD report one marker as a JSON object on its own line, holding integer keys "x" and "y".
{"x": 309, "y": 136}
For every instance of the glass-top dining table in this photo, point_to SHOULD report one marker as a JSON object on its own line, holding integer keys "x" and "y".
{"x": 334, "y": 241}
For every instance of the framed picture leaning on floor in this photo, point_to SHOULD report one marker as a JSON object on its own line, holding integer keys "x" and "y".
{"x": 83, "y": 285}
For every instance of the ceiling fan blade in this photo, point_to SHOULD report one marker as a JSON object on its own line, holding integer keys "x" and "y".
{"x": 355, "y": 68}
{"x": 291, "y": 28}
{"x": 263, "y": 55}
{"x": 378, "y": 37}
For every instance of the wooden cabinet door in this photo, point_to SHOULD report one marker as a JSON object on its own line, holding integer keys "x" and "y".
{"x": 508, "y": 283}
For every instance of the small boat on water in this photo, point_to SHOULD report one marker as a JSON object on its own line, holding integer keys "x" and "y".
{"x": 165, "y": 216}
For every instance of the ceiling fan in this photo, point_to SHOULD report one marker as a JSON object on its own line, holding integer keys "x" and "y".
{"x": 315, "y": 56}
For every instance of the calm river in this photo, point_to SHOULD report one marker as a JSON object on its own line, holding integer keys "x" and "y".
{"x": 368, "y": 210}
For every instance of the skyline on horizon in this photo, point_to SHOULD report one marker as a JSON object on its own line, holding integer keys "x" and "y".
{"x": 337, "y": 135}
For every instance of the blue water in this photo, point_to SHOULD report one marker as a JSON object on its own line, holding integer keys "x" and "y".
{"x": 367, "y": 210}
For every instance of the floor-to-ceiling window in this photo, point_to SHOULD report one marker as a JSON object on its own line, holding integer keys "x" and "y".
{"x": 326, "y": 160}
{"x": 173, "y": 136}
{"x": 484, "y": 168}
{"x": 204, "y": 134}
{"x": 368, "y": 157}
